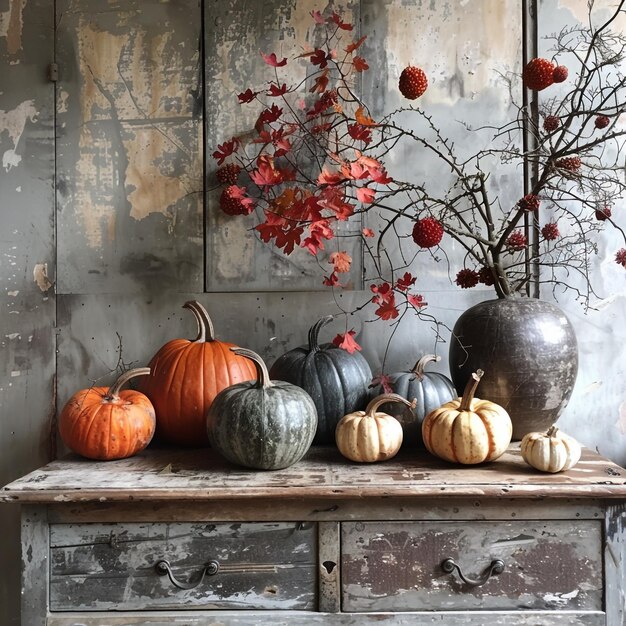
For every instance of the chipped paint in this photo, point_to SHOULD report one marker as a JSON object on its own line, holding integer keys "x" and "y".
{"x": 40, "y": 276}
{"x": 12, "y": 25}
{"x": 13, "y": 122}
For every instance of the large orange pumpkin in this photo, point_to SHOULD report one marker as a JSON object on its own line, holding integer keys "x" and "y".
{"x": 185, "y": 378}
{"x": 106, "y": 423}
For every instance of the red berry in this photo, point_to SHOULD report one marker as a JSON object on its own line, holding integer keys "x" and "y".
{"x": 538, "y": 74}
{"x": 552, "y": 122}
{"x": 550, "y": 231}
{"x": 602, "y": 121}
{"x": 569, "y": 164}
{"x": 603, "y": 213}
{"x": 560, "y": 74}
{"x": 620, "y": 257}
{"x": 228, "y": 174}
{"x": 413, "y": 82}
{"x": 233, "y": 201}
{"x": 516, "y": 240}
{"x": 485, "y": 276}
{"x": 530, "y": 202}
{"x": 467, "y": 278}
{"x": 427, "y": 232}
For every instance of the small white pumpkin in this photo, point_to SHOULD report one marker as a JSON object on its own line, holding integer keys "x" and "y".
{"x": 552, "y": 451}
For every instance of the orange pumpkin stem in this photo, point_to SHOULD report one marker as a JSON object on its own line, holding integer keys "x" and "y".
{"x": 206, "y": 331}
{"x": 418, "y": 368}
{"x": 113, "y": 391}
{"x": 262, "y": 373}
{"x": 370, "y": 409}
{"x": 314, "y": 331}
{"x": 470, "y": 390}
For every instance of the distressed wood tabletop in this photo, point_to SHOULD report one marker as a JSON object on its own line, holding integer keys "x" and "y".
{"x": 201, "y": 474}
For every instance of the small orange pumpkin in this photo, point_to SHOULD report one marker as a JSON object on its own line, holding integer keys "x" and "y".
{"x": 185, "y": 378}
{"x": 107, "y": 424}
{"x": 468, "y": 430}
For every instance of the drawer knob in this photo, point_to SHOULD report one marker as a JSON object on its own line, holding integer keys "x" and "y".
{"x": 496, "y": 567}
{"x": 164, "y": 568}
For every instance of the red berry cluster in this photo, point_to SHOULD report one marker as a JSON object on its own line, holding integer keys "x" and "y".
{"x": 466, "y": 278}
{"x": 541, "y": 73}
{"x": 516, "y": 240}
{"x": 485, "y": 276}
{"x": 569, "y": 164}
{"x": 551, "y": 123}
{"x": 620, "y": 257}
{"x": 234, "y": 202}
{"x": 603, "y": 213}
{"x": 560, "y": 74}
{"x": 530, "y": 202}
{"x": 228, "y": 174}
{"x": 413, "y": 82}
{"x": 550, "y": 231}
{"x": 602, "y": 121}
{"x": 427, "y": 232}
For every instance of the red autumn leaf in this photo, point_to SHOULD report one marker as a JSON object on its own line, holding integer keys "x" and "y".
{"x": 416, "y": 300}
{"x": 341, "y": 262}
{"x": 266, "y": 175}
{"x": 321, "y": 128}
{"x": 388, "y": 310}
{"x": 360, "y": 64}
{"x": 285, "y": 236}
{"x": 346, "y": 342}
{"x": 337, "y": 19}
{"x": 272, "y": 60}
{"x": 247, "y": 96}
{"x": 321, "y": 83}
{"x": 267, "y": 116}
{"x": 318, "y": 18}
{"x": 331, "y": 281}
{"x": 317, "y": 231}
{"x": 368, "y": 232}
{"x": 360, "y": 133}
{"x": 225, "y": 150}
{"x": 383, "y": 292}
{"x": 277, "y": 90}
{"x": 333, "y": 199}
{"x": 384, "y": 381}
{"x": 327, "y": 177}
{"x": 319, "y": 57}
{"x": 380, "y": 176}
{"x": 365, "y": 195}
{"x": 405, "y": 282}
{"x": 362, "y": 118}
{"x": 356, "y": 44}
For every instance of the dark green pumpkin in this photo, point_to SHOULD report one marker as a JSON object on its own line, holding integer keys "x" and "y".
{"x": 430, "y": 389}
{"x": 261, "y": 424}
{"x": 335, "y": 379}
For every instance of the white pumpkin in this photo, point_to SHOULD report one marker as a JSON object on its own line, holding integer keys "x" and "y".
{"x": 552, "y": 451}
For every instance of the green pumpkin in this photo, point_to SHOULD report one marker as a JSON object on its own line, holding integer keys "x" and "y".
{"x": 262, "y": 424}
{"x": 336, "y": 380}
{"x": 430, "y": 389}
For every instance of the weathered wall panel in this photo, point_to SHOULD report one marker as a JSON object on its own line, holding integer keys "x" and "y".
{"x": 27, "y": 258}
{"x": 129, "y": 151}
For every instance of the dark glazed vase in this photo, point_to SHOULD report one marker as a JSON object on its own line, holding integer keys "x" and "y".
{"x": 528, "y": 350}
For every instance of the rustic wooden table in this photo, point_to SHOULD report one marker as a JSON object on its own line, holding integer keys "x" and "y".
{"x": 181, "y": 537}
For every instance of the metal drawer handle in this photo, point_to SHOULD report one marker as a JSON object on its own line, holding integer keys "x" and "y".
{"x": 163, "y": 567}
{"x": 496, "y": 567}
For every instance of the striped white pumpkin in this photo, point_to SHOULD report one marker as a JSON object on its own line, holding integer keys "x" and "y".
{"x": 552, "y": 451}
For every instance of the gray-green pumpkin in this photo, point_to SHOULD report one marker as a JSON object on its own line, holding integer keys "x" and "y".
{"x": 336, "y": 380}
{"x": 262, "y": 424}
{"x": 430, "y": 389}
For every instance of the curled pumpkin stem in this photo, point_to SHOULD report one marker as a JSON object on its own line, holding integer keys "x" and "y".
{"x": 114, "y": 390}
{"x": 314, "y": 331}
{"x": 552, "y": 431}
{"x": 418, "y": 368}
{"x": 470, "y": 390}
{"x": 370, "y": 409}
{"x": 206, "y": 332}
{"x": 262, "y": 373}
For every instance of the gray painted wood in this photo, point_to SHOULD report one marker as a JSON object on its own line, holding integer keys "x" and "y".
{"x": 615, "y": 564}
{"x": 288, "y": 618}
{"x": 194, "y": 475}
{"x": 329, "y": 556}
{"x": 35, "y": 570}
{"x": 397, "y": 566}
{"x": 112, "y": 566}
{"x": 129, "y": 153}
{"x": 27, "y": 265}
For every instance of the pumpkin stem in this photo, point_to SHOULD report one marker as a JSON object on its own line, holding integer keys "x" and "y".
{"x": 114, "y": 389}
{"x": 418, "y": 368}
{"x": 205, "y": 325}
{"x": 470, "y": 390}
{"x": 314, "y": 331}
{"x": 370, "y": 409}
{"x": 262, "y": 374}
{"x": 552, "y": 431}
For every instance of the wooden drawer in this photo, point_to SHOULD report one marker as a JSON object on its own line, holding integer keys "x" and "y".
{"x": 396, "y": 566}
{"x": 112, "y": 566}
